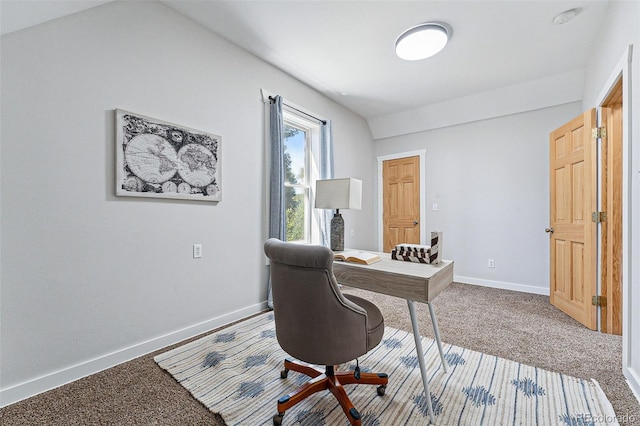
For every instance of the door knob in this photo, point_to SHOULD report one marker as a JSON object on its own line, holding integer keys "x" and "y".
{"x": 415, "y": 222}
{"x": 549, "y": 230}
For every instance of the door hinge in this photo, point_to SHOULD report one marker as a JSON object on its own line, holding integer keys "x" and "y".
{"x": 598, "y": 217}
{"x": 599, "y": 132}
{"x": 599, "y": 301}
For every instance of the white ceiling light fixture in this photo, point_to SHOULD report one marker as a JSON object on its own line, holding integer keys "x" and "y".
{"x": 422, "y": 41}
{"x": 566, "y": 16}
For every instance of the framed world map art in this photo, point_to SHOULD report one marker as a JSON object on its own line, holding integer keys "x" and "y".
{"x": 164, "y": 160}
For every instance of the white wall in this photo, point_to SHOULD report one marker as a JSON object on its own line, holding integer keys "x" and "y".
{"x": 612, "y": 45}
{"x": 89, "y": 279}
{"x": 490, "y": 179}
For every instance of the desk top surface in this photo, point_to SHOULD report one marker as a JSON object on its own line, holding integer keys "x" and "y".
{"x": 387, "y": 264}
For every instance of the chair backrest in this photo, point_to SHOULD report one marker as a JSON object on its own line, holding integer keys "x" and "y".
{"x": 314, "y": 321}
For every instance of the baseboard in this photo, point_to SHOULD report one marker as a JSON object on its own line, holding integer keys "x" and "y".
{"x": 633, "y": 380}
{"x": 503, "y": 285}
{"x": 58, "y": 378}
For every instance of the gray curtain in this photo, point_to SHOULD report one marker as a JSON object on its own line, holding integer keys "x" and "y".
{"x": 277, "y": 216}
{"x": 326, "y": 172}
{"x": 277, "y": 211}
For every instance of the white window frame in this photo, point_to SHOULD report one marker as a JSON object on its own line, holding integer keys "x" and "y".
{"x": 293, "y": 118}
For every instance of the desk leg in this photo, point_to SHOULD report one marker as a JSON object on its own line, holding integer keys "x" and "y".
{"x": 420, "y": 353}
{"x": 436, "y": 332}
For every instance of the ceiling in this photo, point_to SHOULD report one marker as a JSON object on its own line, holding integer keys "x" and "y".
{"x": 19, "y": 14}
{"x": 344, "y": 49}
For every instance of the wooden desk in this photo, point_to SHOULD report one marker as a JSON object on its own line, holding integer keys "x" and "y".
{"x": 407, "y": 280}
{"x": 415, "y": 282}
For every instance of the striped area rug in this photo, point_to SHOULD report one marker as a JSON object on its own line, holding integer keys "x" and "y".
{"x": 236, "y": 372}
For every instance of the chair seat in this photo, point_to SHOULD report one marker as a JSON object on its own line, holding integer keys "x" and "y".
{"x": 375, "y": 323}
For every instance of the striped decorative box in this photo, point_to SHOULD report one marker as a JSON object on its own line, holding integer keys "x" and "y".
{"x": 420, "y": 253}
{"x": 410, "y": 256}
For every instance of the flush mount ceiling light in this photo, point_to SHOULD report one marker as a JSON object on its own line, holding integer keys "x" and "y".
{"x": 566, "y": 16}
{"x": 422, "y": 41}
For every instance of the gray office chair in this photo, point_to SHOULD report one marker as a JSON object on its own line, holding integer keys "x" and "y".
{"x": 317, "y": 324}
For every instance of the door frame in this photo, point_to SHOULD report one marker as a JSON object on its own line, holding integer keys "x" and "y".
{"x": 623, "y": 69}
{"x": 422, "y": 154}
{"x": 610, "y": 266}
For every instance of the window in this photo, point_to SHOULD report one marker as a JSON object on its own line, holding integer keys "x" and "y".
{"x": 296, "y": 182}
{"x": 301, "y": 139}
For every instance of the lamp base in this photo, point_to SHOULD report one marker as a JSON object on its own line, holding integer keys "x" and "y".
{"x": 337, "y": 232}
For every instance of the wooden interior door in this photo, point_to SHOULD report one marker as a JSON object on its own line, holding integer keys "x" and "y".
{"x": 401, "y": 201}
{"x": 611, "y": 231}
{"x": 573, "y": 198}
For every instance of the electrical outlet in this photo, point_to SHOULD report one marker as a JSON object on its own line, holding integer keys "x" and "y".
{"x": 353, "y": 233}
{"x": 197, "y": 251}
{"x": 434, "y": 207}
{"x": 491, "y": 263}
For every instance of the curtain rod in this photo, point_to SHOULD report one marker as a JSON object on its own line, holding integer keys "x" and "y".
{"x": 272, "y": 99}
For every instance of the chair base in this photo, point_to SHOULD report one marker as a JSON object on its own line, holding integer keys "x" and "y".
{"x": 331, "y": 380}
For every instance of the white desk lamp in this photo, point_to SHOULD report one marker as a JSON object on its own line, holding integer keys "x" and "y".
{"x": 338, "y": 194}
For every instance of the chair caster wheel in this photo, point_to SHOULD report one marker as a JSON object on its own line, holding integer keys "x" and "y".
{"x": 381, "y": 389}
{"x": 277, "y": 419}
{"x": 284, "y": 374}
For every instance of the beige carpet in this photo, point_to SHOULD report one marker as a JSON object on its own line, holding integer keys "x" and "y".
{"x": 517, "y": 326}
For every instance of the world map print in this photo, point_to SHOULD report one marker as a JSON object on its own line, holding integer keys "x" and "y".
{"x": 164, "y": 160}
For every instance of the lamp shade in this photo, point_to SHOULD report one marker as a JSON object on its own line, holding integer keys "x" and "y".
{"x": 339, "y": 194}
